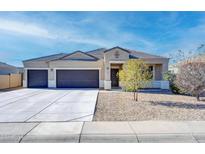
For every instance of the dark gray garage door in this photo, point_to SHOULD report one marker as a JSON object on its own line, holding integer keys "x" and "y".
{"x": 77, "y": 78}
{"x": 37, "y": 78}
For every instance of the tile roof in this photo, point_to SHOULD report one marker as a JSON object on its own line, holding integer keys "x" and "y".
{"x": 133, "y": 53}
{"x": 47, "y": 58}
{"x": 98, "y": 54}
{"x": 2, "y": 64}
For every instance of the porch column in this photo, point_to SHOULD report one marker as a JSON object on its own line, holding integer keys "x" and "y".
{"x": 153, "y": 78}
{"x": 107, "y": 81}
{"x": 25, "y": 78}
{"x": 51, "y": 78}
{"x": 164, "y": 68}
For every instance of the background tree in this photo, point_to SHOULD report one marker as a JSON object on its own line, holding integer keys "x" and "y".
{"x": 191, "y": 78}
{"x": 134, "y": 75}
{"x": 181, "y": 55}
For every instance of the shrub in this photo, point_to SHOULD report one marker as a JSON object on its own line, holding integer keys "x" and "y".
{"x": 171, "y": 77}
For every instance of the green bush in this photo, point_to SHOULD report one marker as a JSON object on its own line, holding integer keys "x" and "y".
{"x": 171, "y": 77}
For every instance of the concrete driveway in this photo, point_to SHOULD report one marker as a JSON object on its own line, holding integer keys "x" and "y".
{"x": 36, "y": 105}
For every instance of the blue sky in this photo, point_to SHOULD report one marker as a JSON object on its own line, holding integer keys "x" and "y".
{"x": 25, "y": 35}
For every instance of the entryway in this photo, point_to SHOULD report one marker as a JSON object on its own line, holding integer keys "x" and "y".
{"x": 114, "y": 77}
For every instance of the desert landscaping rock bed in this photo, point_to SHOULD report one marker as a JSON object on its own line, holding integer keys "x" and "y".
{"x": 120, "y": 106}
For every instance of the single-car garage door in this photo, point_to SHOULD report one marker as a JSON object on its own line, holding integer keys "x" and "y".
{"x": 37, "y": 78}
{"x": 77, "y": 78}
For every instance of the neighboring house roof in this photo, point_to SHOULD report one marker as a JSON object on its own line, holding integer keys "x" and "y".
{"x": 7, "y": 69}
{"x": 92, "y": 55}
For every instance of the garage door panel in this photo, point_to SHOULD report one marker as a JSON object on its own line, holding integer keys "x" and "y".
{"x": 37, "y": 78}
{"x": 77, "y": 78}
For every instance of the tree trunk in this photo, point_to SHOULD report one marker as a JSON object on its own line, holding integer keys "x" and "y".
{"x": 135, "y": 96}
{"x": 198, "y": 97}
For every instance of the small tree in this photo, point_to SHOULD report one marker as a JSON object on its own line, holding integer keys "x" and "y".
{"x": 191, "y": 78}
{"x": 134, "y": 75}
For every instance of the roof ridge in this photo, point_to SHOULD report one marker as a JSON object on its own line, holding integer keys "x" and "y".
{"x": 80, "y": 52}
{"x": 4, "y": 63}
{"x": 96, "y": 50}
{"x": 68, "y": 54}
{"x": 43, "y": 57}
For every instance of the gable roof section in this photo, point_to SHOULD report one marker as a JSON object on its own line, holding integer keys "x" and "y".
{"x": 117, "y": 47}
{"x": 99, "y": 53}
{"x": 79, "y": 55}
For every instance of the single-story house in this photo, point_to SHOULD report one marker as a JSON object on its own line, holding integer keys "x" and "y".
{"x": 93, "y": 69}
{"x": 6, "y": 69}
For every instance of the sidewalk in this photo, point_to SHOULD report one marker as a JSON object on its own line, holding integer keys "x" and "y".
{"x": 108, "y": 132}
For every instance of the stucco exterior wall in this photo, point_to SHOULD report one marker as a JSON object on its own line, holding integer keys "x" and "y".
{"x": 158, "y": 72}
{"x": 77, "y": 64}
{"x": 52, "y": 66}
{"x": 161, "y": 66}
{"x": 78, "y": 55}
{"x": 39, "y": 64}
{"x": 111, "y": 56}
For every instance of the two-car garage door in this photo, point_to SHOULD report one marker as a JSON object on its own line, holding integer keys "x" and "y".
{"x": 65, "y": 78}
{"x": 77, "y": 78}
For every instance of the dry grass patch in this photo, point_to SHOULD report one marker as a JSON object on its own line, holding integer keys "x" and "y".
{"x": 120, "y": 106}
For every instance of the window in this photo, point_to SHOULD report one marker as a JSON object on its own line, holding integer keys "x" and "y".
{"x": 151, "y": 71}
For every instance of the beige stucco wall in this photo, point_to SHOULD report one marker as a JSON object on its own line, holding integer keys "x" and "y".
{"x": 52, "y": 66}
{"x": 78, "y": 55}
{"x": 64, "y": 64}
{"x": 161, "y": 66}
{"x": 162, "y": 61}
{"x": 110, "y": 57}
{"x": 10, "y": 81}
{"x": 158, "y": 71}
{"x": 39, "y": 64}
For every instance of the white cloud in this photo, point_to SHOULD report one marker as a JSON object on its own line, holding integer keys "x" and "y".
{"x": 188, "y": 41}
{"x": 107, "y": 37}
{"x": 24, "y": 28}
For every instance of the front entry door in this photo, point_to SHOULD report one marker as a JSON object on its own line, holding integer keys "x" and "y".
{"x": 114, "y": 78}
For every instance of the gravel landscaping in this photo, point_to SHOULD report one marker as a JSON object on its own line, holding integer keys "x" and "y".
{"x": 120, "y": 106}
